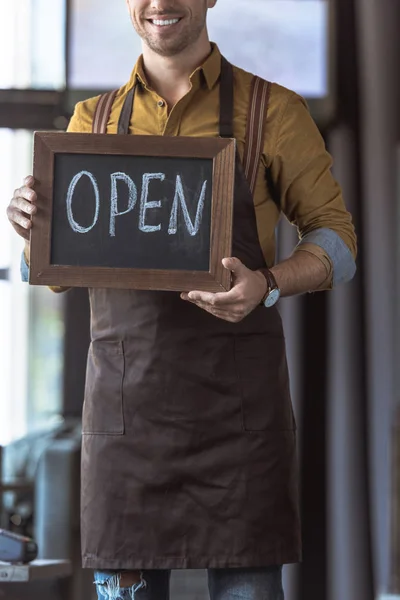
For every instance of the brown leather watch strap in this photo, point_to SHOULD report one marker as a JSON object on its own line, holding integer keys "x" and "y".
{"x": 271, "y": 282}
{"x": 265, "y": 272}
{"x": 274, "y": 285}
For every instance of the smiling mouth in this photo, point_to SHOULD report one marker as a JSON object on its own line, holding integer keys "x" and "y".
{"x": 164, "y": 22}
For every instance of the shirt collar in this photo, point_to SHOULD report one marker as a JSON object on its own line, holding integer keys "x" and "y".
{"x": 211, "y": 69}
{"x": 138, "y": 73}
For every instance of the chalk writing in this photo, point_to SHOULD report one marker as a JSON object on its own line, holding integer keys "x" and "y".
{"x": 180, "y": 197}
{"x": 132, "y": 211}
{"x": 145, "y": 204}
{"x": 74, "y": 225}
{"x": 115, "y": 177}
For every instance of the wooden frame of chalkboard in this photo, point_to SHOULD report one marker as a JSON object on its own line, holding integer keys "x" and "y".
{"x": 50, "y": 262}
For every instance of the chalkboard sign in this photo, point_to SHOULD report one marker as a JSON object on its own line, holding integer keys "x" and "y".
{"x": 140, "y": 212}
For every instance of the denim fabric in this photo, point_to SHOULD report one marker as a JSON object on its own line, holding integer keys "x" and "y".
{"x": 153, "y": 584}
{"x": 344, "y": 266}
{"x": 24, "y": 269}
{"x": 223, "y": 584}
{"x": 246, "y": 584}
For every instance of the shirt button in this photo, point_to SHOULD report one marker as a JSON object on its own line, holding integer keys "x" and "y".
{"x": 160, "y": 103}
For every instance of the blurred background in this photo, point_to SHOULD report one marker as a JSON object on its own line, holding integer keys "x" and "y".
{"x": 343, "y": 346}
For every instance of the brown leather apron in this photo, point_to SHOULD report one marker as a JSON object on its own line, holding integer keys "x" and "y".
{"x": 189, "y": 444}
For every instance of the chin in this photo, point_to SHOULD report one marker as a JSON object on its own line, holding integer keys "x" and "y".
{"x": 166, "y": 49}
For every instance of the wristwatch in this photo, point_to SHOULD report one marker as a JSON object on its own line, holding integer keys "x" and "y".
{"x": 273, "y": 292}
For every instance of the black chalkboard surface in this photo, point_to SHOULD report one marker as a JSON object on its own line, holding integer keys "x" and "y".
{"x": 132, "y": 211}
{"x": 138, "y": 212}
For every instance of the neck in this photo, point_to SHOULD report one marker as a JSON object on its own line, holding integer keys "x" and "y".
{"x": 169, "y": 76}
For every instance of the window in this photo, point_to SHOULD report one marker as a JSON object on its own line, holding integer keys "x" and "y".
{"x": 32, "y": 44}
{"x": 282, "y": 40}
{"x": 31, "y": 323}
{"x": 14, "y": 153}
{"x": 32, "y": 57}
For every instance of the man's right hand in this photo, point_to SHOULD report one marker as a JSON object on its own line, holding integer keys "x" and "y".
{"x": 21, "y": 209}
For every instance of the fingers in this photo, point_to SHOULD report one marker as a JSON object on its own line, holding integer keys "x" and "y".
{"x": 216, "y": 312}
{"x": 220, "y": 299}
{"x": 227, "y": 313}
{"x": 21, "y": 223}
{"x": 22, "y": 230}
{"x": 234, "y": 264}
{"x": 29, "y": 181}
{"x": 236, "y": 304}
{"x": 24, "y": 233}
{"x": 25, "y": 206}
{"x": 22, "y": 207}
{"x": 224, "y": 299}
{"x": 25, "y": 193}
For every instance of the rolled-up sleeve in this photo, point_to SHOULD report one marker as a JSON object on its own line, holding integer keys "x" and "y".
{"x": 328, "y": 245}
{"x": 24, "y": 269}
{"x": 310, "y": 196}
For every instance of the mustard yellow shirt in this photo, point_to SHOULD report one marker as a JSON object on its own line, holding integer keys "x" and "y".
{"x": 294, "y": 150}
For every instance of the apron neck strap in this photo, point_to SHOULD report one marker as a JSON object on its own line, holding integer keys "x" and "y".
{"x": 126, "y": 112}
{"x": 226, "y": 106}
{"x": 255, "y": 128}
{"x": 226, "y": 100}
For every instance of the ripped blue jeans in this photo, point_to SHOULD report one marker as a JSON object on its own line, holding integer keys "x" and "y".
{"x": 223, "y": 584}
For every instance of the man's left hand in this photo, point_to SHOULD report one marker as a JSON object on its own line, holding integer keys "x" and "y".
{"x": 249, "y": 287}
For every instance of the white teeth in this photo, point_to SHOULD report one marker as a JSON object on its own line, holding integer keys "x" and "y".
{"x": 165, "y": 22}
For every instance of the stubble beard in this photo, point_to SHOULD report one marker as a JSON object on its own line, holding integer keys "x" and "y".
{"x": 174, "y": 46}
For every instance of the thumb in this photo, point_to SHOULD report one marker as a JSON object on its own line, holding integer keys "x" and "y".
{"x": 235, "y": 265}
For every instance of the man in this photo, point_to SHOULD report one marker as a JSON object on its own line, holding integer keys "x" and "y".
{"x": 188, "y": 456}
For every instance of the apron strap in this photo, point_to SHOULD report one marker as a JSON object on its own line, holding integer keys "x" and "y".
{"x": 126, "y": 112}
{"x": 102, "y": 112}
{"x": 255, "y": 130}
{"x": 226, "y": 100}
{"x": 256, "y": 119}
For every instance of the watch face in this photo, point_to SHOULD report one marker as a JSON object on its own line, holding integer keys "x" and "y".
{"x": 272, "y": 298}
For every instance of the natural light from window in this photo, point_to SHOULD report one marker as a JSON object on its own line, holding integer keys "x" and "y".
{"x": 32, "y": 44}
{"x": 32, "y": 55}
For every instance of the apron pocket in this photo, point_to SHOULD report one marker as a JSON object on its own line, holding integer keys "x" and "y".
{"x": 263, "y": 383}
{"x": 102, "y": 408}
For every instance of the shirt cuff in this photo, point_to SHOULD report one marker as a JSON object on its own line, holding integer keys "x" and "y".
{"x": 343, "y": 263}
{"x": 24, "y": 269}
